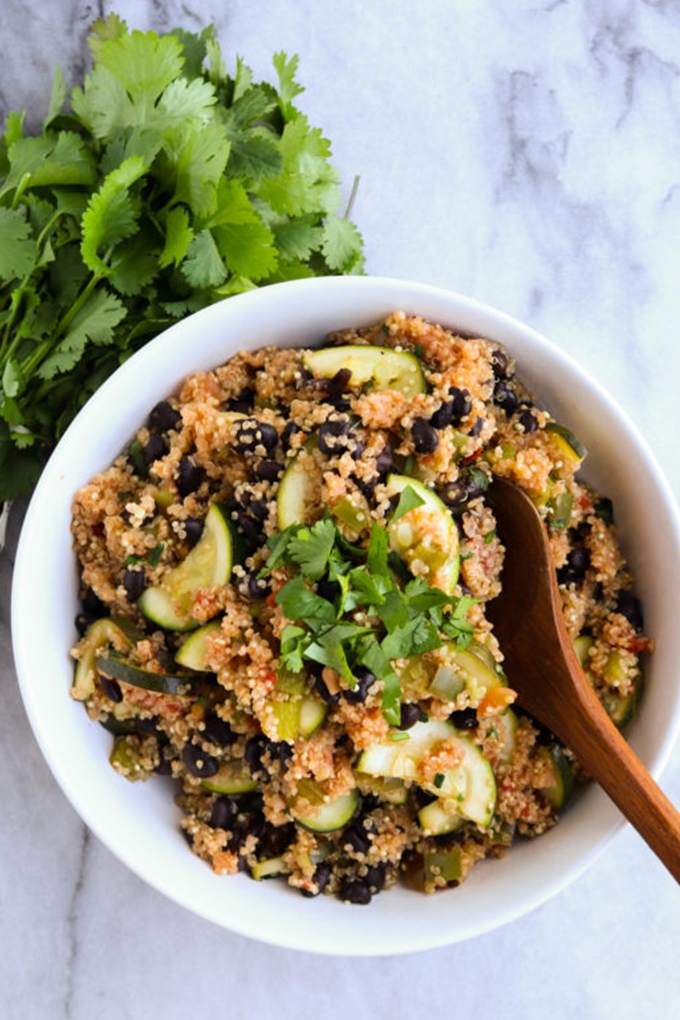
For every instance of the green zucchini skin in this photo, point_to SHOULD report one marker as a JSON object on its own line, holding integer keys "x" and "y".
{"x": 117, "y": 668}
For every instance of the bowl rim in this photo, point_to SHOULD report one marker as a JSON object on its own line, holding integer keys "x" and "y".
{"x": 370, "y": 292}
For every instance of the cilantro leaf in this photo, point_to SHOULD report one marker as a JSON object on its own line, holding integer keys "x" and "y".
{"x": 339, "y": 244}
{"x": 94, "y": 322}
{"x": 203, "y": 265}
{"x": 293, "y": 642}
{"x": 311, "y": 547}
{"x": 408, "y": 500}
{"x": 178, "y": 237}
{"x": 18, "y": 250}
{"x": 299, "y": 602}
{"x": 111, "y": 214}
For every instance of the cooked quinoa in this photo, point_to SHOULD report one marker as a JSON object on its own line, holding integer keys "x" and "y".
{"x": 330, "y": 698}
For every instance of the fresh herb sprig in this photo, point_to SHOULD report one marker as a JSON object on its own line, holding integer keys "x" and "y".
{"x": 159, "y": 185}
{"x": 352, "y": 611}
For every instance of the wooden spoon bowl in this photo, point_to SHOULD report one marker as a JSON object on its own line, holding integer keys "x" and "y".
{"x": 542, "y": 666}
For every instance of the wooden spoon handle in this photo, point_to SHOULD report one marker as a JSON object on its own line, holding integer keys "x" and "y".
{"x": 611, "y": 761}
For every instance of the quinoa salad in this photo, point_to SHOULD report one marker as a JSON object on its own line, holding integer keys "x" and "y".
{"x": 283, "y": 582}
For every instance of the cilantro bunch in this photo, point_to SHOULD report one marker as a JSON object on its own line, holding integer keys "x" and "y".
{"x": 354, "y": 607}
{"x": 158, "y": 186}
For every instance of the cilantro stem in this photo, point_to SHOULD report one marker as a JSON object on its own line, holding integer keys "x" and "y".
{"x": 5, "y": 351}
{"x": 43, "y": 349}
{"x": 20, "y": 188}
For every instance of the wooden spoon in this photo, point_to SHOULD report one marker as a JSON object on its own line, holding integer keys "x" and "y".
{"x": 542, "y": 666}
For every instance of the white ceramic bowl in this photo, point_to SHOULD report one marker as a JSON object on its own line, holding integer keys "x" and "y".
{"x": 139, "y": 822}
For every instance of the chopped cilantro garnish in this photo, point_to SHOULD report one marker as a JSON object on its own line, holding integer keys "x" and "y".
{"x": 399, "y": 619}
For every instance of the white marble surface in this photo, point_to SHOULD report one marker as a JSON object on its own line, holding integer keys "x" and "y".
{"x": 526, "y": 153}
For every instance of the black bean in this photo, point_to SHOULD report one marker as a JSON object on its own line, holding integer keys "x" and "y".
{"x": 156, "y": 448}
{"x": 267, "y": 470}
{"x": 320, "y": 688}
{"x": 356, "y": 836}
{"x": 328, "y": 590}
{"x": 198, "y": 762}
{"x": 375, "y": 877}
{"x": 189, "y": 476}
{"x": 422, "y": 797}
{"x": 321, "y": 878}
{"x": 251, "y": 530}
{"x": 462, "y": 403}
{"x": 148, "y": 725}
{"x": 275, "y": 840}
{"x": 465, "y": 719}
{"x": 499, "y": 362}
{"x": 253, "y": 823}
{"x": 243, "y": 403}
{"x": 252, "y": 756}
{"x": 425, "y": 438}
{"x": 134, "y": 582}
{"x": 339, "y": 403}
{"x": 164, "y": 767}
{"x": 164, "y": 417}
{"x": 476, "y": 483}
{"x": 259, "y": 509}
{"x": 504, "y": 396}
{"x": 365, "y": 680}
{"x": 577, "y": 563}
{"x": 92, "y": 604}
{"x": 339, "y": 383}
{"x": 384, "y": 462}
{"x": 442, "y": 416}
{"x": 527, "y": 420}
{"x": 255, "y": 436}
{"x": 477, "y": 427}
{"x": 223, "y": 811}
{"x": 291, "y": 429}
{"x": 452, "y": 411}
{"x": 193, "y": 529}
{"x": 409, "y": 716}
{"x": 355, "y": 890}
{"x": 333, "y": 434}
{"x": 281, "y": 751}
{"x": 629, "y": 606}
{"x": 253, "y": 587}
{"x": 217, "y": 730}
{"x": 111, "y": 688}
{"x": 455, "y": 494}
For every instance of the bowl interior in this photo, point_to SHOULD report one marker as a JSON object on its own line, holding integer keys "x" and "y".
{"x": 139, "y": 822}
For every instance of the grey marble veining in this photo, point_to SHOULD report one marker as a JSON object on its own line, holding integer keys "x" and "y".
{"x": 527, "y": 154}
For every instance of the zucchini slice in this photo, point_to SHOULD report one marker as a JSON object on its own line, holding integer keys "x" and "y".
{"x": 329, "y": 817}
{"x": 271, "y": 867}
{"x": 471, "y": 786}
{"x": 566, "y": 442}
{"x": 232, "y": 778}
{"x": 466, "y": 669}
{"x": 426, "y": 537}
{"x": 117, "y": 668}
{"x": 506, "y": 723}
{"x": 440, "y": 817}
{"x": 380, "y": 368}
{"x": 298, "y": 496}
{"x": 115, "y": 632}
{"x": 562, "y": 784}
{"x": 193, "y": 653}
{"x": 209, "y": 562}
